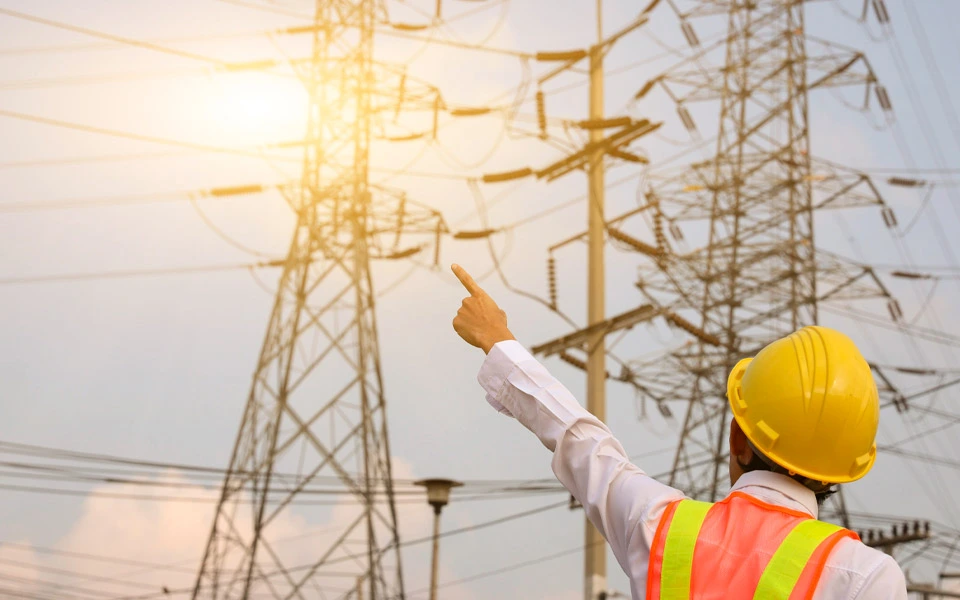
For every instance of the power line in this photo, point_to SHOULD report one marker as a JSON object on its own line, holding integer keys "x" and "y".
{"x": 116, "y": 560}
{"x": 403, "y": 544}
{"x": 513, "y": 567}
{"x": 111, "y": 37}
{"x": 137, "y": 137}
{"x": 126, "y": 274}
{"x": 92, "y": 47}
{"x": 76, "y": 456}
{"x": 274, "y": 9}
{"x": 74, "y": 80}
{"x": 139, "y": 199}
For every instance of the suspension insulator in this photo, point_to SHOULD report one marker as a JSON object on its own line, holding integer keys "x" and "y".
{"x": 401, "y": 93}
{"x": 686, "y": 118}
{"x": 541, "y": 114}
{"x": 690, "y": 34}
{"x": 658, "y": 230}
{"x": 552, "y": 281}
{"x": 436, "y": 244}
{"x": 660, "y": 237}
{"x": 895, "y": 311}
{"x": 646, "y": 88}
{"x": 907, "y": 182}
{"x": 884, "y": 98}
{"x": 889, "y": 217}
{"x": 676, "y": 232}
{"x": 880, "y": 8}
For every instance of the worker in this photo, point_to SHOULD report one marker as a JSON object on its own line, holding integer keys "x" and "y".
{"x": 805, "y": 415}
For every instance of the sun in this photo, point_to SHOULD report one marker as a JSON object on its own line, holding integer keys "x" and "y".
{"x": 255, "y": 108}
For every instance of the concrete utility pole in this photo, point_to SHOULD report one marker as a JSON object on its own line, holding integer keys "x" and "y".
{"x": 595, "y": 549}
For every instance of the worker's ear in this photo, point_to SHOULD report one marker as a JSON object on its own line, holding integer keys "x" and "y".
{"x": 738, "y": 443}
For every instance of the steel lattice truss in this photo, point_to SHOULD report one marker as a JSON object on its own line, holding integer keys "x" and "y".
{"x": 743, "y": 268}
{"x": 316, "y": 407}
{"x": 756, "y": 273}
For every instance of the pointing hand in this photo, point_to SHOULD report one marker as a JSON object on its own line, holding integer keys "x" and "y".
{"x": 480, "y": 322}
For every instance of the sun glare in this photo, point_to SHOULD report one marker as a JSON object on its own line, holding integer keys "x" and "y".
{"x": 257, "y": 108}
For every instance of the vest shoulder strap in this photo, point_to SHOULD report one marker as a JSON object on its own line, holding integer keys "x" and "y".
{"x": 681, "y": 540}
{"x": 783, "y": 572}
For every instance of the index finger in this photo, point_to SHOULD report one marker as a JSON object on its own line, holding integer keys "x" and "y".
{"x": 467, "y": 281}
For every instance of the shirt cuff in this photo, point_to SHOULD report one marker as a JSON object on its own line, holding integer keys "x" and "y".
{"x": 502, "y": 359}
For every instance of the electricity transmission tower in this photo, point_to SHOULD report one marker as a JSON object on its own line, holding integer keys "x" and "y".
{"x": 316, "y": 411}
{"x": 743, "y": 267}
{"x": 758, "y": 274}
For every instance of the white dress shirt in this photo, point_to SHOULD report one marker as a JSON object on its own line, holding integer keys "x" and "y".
{"x": 626, "y": 504}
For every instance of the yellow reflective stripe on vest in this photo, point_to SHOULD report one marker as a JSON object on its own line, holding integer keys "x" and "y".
{"x": 787, "y": 564}
{"x": 678, "y": 549}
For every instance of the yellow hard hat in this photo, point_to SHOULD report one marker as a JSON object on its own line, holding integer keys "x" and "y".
{"x": 808, "y": 402}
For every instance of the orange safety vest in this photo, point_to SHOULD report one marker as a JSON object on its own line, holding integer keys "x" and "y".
{"x": 738, "y": 549}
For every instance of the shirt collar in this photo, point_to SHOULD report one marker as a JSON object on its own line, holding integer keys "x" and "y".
{"x": 783, "y": 486}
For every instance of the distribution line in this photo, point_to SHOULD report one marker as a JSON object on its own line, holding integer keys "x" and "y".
{"x": 74, "y": 80}
{"x": 111, "y": 37}
{"x": 277, "y": 10}
{"x": 43, "y": 472}
{"x": 100, "y": 46}
{"x": 77, "y": 456}
{"x": 139, "y": 137}
{"x": 484, "y": 497}
{"x": 138, "y": 199}
{"x": 403, "y": 544}
{"x": 125, "y": 274}
{"x": 513, "y": 567}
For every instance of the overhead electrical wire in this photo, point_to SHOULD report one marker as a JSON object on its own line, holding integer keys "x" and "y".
{"x": 402, "y": 544}
{"x": 76, "y": 80}
{"x": 929, "y": 134}
{"x": 139, "y": 137}
{"x": 515, "y": 566}
{"x": 128, "y": 273}
{"x": 515, "y": 224}
{"x": 102, "y": 46}
{"x": 111, "y": 37}
{"x": 137, "y": 199}
{"x": 270, "y": 8}
{"x": 51, "y": 453}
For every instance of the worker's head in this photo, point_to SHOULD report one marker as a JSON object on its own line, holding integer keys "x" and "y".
{"x": 806, "y": 406}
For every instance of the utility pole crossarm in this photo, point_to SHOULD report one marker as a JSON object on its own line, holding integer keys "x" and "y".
{"x": 615, "y": 142}
{"x": 579, "y": 339}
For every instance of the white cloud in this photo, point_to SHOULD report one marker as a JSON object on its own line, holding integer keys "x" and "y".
{"x": 173, "y": 534}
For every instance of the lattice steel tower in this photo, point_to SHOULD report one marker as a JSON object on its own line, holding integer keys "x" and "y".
{"x": 754, "y": 272}
{"x": 316, "y": 412}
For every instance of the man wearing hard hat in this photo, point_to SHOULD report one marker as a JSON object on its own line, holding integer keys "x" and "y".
{"x": 805, "y": 414}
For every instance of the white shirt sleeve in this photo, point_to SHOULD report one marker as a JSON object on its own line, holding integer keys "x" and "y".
{"x": 885, "y": 582}
{"x": 623, "y": 502}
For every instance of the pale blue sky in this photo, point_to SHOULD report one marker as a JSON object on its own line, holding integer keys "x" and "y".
{"x": 158, "y": 367}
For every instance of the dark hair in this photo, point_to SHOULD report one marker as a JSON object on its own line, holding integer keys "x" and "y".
{"x": 759, "y": 462}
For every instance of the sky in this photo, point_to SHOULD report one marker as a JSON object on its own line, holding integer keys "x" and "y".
{"x": 158, "y": 367}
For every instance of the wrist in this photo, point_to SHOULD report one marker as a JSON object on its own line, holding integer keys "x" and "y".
{"x": 493, "y": 340}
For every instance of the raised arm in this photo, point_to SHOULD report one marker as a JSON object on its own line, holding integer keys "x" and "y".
{"x": 622, "y": 501}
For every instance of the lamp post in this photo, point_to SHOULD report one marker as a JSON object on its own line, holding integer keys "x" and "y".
{"x": 438, "y": 495}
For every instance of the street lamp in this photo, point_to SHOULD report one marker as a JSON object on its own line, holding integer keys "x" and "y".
{"x": 438, "y": 495}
